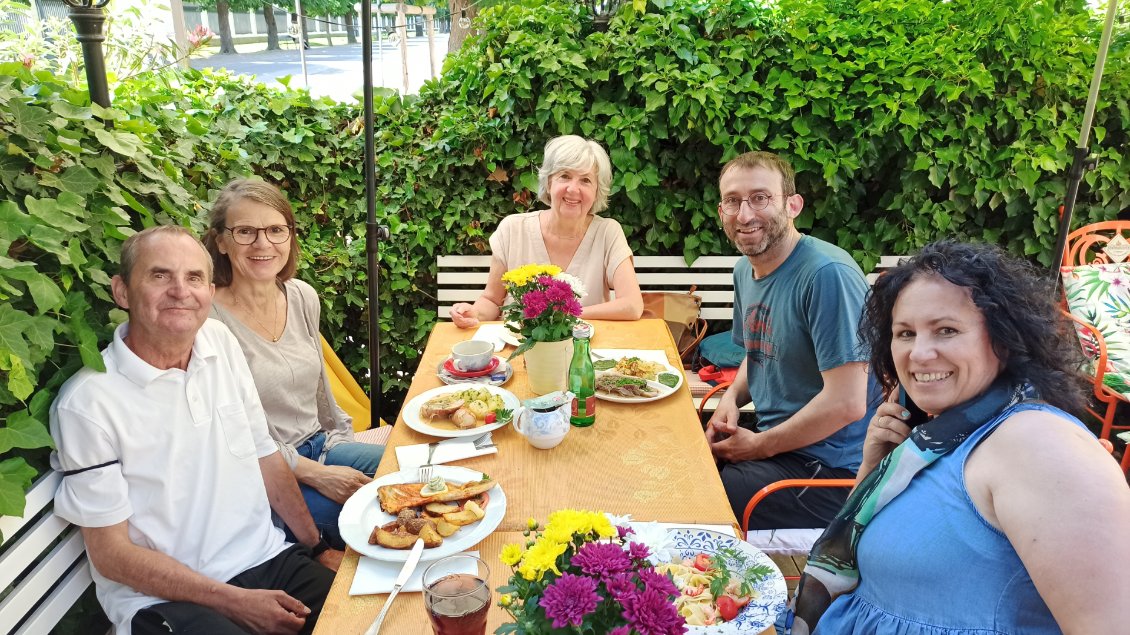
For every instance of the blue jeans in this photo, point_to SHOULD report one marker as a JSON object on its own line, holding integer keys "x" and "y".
{"x": 363, "y": 457}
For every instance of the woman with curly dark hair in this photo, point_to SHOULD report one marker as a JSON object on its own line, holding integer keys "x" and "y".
{"x": 1000, "y": 512}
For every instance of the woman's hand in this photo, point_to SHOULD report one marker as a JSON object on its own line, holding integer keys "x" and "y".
{"x": 886, "y": 431}
{"x": 464, "y": 315}
{"x": 337, "y": 482}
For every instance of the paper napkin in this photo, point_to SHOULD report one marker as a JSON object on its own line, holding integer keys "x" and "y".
{"x": 492, "y": 333}
{"x": 409, "y": 456}
{"x": 378, "y": 576}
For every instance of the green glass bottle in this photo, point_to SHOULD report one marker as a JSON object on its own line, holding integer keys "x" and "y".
{"x": 582, "y": 378}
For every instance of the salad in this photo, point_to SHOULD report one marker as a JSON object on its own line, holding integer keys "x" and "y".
{"x": 711, "y": 589}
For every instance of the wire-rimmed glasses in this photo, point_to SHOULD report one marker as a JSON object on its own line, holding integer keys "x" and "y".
{"x": 246, "y": 234}
{"x": 733, "y": 204}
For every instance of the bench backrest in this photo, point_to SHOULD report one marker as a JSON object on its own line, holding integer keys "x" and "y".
{"x": 43, "y": 561}
{"x": 462, "y": 278}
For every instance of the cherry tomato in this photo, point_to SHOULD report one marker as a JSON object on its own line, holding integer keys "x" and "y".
{"x": 702, "y": 562}
{"x": 490, "y": 418}
{"x": 727, "y": 608}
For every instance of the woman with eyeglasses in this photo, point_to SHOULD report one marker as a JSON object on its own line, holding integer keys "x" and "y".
{"x": 275, "y": 318}
{"x": 574, "y": 180}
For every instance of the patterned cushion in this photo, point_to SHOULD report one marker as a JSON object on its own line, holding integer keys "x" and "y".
{"x": 1100, "y": 296}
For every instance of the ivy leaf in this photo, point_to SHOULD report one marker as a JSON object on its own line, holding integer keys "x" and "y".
{"x": 15, "y": 477}
{"x": 24, "y": 431}
{"x": 79, "y": 180}
{"x": 44, "y": 291}
{"x": 28, "y": 120}
{"x": 13, "y": 322}
{"x": 123, "y": 143}
{"x": 49, "y": 211}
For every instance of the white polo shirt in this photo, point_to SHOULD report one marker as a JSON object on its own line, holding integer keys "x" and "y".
{"x": 179, "y": 452}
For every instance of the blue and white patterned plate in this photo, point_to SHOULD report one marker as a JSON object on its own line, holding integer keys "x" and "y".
{"x": 762, "y": 611}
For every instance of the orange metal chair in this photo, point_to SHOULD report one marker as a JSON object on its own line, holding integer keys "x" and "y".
{"x": 1085, "y": 246}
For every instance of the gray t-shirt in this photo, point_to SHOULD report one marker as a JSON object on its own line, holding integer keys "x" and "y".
{"x": 796, "y": 322}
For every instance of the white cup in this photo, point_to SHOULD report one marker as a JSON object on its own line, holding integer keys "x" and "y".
{"x": 471, "y": 355}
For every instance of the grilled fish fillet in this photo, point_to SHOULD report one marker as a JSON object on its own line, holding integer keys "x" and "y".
{"x": 395, "y": 498}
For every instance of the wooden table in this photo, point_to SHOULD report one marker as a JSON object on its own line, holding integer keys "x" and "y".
{"x": 648, "y": 460}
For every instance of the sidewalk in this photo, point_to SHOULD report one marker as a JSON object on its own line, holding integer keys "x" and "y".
{"x": 336, "y": 71}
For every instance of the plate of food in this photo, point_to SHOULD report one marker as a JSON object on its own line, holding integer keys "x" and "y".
{"x": 727, "y": 586}
{"x": 384, "y": 518}
{"x": 627, "y": 378}
{"x": 460, "y": 410}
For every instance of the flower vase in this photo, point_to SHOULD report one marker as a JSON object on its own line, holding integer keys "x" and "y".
{"x": 547, "y": 366}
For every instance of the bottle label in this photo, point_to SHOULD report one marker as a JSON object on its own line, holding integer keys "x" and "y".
{"x": 589, "y": 407}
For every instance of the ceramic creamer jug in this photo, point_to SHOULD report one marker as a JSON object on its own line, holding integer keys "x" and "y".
{"x": 544, "y": 420}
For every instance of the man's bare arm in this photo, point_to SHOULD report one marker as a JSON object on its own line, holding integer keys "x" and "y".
{"x": 286, "y": 500}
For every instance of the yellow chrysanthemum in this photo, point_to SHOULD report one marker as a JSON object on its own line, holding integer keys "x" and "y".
{"x": 540, "y": 558}
{"x": 524, "y": 274}
{"x": 511, "y": 554}
{"x": 505, "y": 600}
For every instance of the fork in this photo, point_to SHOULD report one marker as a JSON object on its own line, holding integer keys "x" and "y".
{"x": 424, "y": 472}
{"x": 483, "y": 442}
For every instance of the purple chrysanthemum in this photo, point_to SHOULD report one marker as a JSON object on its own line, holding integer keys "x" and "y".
{"x": 573, "y": 307}
{"x": 533, "y": 304}
{"x": 624, "y": 530}
{"x": 651, "y": 613}
{"x": 620, "y": 630}
{"x": 601, "y": 559}
{"x": 638, "y": 551}
{"x": 569, "y": 599}
{"x": 559, "y": 291}
{"x": 620, "y": 585}
{"x": 659, "y": 582}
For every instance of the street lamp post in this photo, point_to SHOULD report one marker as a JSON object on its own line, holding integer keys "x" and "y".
{"x": 89, "y": 19}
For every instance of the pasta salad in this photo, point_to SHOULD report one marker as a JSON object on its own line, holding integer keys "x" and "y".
{"x": 711, "y": 589}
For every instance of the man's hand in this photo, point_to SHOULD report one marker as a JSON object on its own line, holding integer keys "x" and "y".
{"x": 464, "y": 315}
{"x": 741, "y": 445}
{"x": 331, "y": 559}
{"x": 267, "y": 611}
{"x": 724, "y": 422}
{"x": 338, "y": 482}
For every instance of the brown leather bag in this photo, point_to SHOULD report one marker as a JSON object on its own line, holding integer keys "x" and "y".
{"x": 681, "y": 313}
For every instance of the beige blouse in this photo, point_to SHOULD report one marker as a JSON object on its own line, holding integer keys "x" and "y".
{"x": 518, "y": 242}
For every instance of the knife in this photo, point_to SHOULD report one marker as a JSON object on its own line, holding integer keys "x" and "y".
{"x": 401, "y": 580}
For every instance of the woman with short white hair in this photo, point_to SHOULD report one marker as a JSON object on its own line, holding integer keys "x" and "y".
{"x": 574, "y": 180}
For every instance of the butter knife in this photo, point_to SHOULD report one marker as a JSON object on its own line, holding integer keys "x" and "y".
{"x": 401, "y": 580}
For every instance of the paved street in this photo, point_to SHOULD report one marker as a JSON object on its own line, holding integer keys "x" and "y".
{"x": 335, "y": 71}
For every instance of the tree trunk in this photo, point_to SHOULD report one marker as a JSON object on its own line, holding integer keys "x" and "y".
{"x": 329, "y": 30}
{"x": 223, "y": 16}
{"x": 272, "y": 27}
{"x": 459, "y": 9}
{"x": 350, "y": 36}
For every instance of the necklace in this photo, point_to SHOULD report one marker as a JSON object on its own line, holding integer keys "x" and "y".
{"x": 275, "y": 318}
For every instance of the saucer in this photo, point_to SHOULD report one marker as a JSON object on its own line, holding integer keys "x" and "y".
{"x": 449, "y": 366}
{"x": 501, "y": 374}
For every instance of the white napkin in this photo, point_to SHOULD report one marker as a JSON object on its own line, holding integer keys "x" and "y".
{"x": 378, "y": 576}
{"x": 409, "y": 456}
{"x": 492, "y": 333}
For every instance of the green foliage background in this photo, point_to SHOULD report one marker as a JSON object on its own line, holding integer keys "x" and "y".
{"x": 907, "y": 120}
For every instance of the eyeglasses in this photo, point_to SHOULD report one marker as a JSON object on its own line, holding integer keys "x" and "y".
{"x": 733, "y": 204}
{"x": 246, "y": 234}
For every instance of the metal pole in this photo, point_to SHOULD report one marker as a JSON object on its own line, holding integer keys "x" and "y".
{"x": 302, "y": 41}
{"x": 1082, "y": 153}
{"x": 373, "y": 233}
{"x": 88, "y": 25}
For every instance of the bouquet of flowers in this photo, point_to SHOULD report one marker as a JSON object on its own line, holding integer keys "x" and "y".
{"x": 585, "y": 575}
{"x": 546, "y": 304}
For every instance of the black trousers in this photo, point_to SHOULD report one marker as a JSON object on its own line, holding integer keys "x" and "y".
{"x": 789, "y": 508}
{"x": 292, "y": 571}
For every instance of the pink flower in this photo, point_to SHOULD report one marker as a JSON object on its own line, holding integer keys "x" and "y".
{"x": 28, "y": 61}
{"x": 601, "y": 559}
{"x": 569, "y": 599}
{"x": 652, "y": 613}
{"x": 534, "y": 304}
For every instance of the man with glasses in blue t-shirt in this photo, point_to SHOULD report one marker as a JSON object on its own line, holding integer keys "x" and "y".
{"x": 797, "y": 304}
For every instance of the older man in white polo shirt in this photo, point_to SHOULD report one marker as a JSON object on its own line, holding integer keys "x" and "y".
{"x": 169, "y": 469}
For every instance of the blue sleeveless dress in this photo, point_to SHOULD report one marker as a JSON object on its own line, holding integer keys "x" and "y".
{"x": 930, "y": 564}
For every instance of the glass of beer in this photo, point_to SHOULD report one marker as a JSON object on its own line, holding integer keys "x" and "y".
{"x": 457, "y": 595}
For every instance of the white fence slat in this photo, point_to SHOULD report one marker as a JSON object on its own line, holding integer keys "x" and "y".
{"x": 40, "y": 581}
{"x": 686, "y": 279}
{"x": 61, "y": 599}
{"x": 463, "y": 261}
{"x": 30, "y": 547}
{"x": 477, "y": 278}
{"x": 458, "y": 295}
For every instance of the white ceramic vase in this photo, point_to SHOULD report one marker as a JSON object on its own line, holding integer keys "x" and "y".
{"x": 547, "y": 366}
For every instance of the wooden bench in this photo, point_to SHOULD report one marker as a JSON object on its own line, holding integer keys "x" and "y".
{"x": 462, "y": 278}
{"x": 43, "y": 564}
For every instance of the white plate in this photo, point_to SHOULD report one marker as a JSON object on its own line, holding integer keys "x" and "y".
{"x": 664, "y": 389}
{"x": 762, "y": 611}
{"x": 362, "y": 512}
{"x": 412, "y": 410}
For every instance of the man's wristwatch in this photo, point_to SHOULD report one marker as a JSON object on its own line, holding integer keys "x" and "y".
{"x": 320, "y": 547}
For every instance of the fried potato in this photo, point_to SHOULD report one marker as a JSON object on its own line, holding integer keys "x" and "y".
{"x": 445, "y": 528}
{"x": 441, "y": 508}
{"x": 431, "y": 536}
{"x": 471, "y": 513}
{"x": 392, "y": 540}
